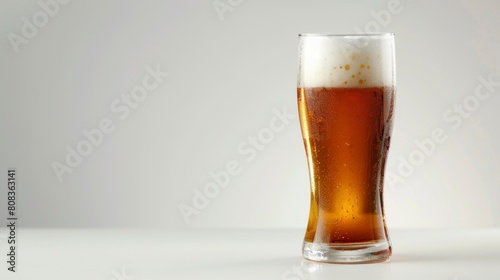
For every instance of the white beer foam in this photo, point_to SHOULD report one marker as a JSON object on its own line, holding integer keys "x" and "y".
{"x": 333, "y": 61}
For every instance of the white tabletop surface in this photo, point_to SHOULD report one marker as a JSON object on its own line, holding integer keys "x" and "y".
{"x": 122, "y": 254}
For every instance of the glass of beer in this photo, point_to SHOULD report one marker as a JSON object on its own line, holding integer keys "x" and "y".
{"x": 345, "y": 96}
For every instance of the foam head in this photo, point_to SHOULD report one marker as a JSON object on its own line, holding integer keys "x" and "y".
{"x": 346, "y": 60}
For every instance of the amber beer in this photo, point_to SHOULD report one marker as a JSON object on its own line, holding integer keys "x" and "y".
{"x": 346, "y": 134}
{"x": 346, "y": 120}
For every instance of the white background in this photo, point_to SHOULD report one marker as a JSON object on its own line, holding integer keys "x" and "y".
{"x": 227, "y": 73}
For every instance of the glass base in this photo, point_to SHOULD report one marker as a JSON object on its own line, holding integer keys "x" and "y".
{"x": 347, "y": 253}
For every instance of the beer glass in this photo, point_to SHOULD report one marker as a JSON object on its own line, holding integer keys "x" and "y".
{"x": 345, "y": 96}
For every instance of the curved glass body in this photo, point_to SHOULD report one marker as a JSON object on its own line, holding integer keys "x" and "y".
{"x": 345, "y": 97}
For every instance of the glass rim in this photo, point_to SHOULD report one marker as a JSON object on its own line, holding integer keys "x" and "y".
{"x": 383, "y": 34}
